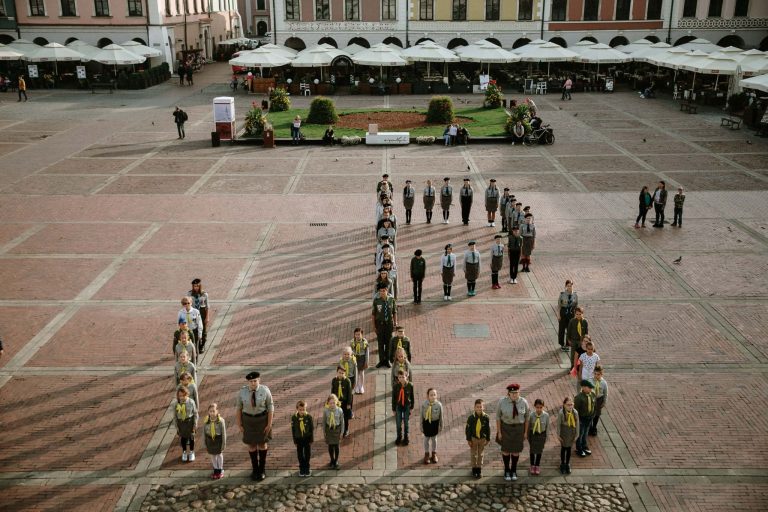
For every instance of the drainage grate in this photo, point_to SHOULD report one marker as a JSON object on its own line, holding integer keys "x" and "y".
{"x": 471, "y": 330}
{"x": 317, "y": 224}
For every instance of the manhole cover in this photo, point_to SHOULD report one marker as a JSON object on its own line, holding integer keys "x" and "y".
{"x": 471, "y": 330}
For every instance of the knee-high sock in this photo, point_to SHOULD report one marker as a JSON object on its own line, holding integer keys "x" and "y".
{"x": 254, "y": 461}
{"x": 262, "y": 461}
{"x": 506, "y": 463}
{"x": 515, "y": 458}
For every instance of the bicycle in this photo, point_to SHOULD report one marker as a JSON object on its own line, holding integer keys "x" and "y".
{"x": 542, "y": 135}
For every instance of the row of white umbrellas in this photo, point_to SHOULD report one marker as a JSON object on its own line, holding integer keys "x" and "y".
{"x": 129, "y": 52}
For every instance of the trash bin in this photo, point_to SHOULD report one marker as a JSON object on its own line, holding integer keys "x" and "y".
{"x": 269, "y": 138}
{"x": 215, "y": 139}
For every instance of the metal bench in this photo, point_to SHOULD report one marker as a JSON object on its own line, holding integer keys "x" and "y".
{"x": 731, "y": 122}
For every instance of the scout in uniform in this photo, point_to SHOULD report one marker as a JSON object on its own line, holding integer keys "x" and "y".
{"x": 465, "y": 199}
{"x": 303, "y": 433}
{"x": 514, "y": 248}
{"x": 478, "y": 434}
{"x": 506, "y": 201}
{"x": 578, "y": 327}
{"x": 409, "y": 197}
{"x": 387, "y": 229}
{"x": 383, "y": 278}
{"x": 584, "y": 403}
{"x": 537, "y": 434}
{"x": 402, "y": 405}
{"x": 183, "y": 327}
{"x": 567, "y": 303}
{"x": 333, "y": 426}
{"x": 515, "y": 216}
{"x": 185, "y": 345}
{"x": 429, "y": 200}
{"x": 601, "y": 398}
{"x": 471, "y": 267}
{"x": 215, "y": 432}
{"x": 361, "y": 351}
{"x": 385, "y": 186}
{"x": 391, "y": 269}
{"x": 194, "y": 321}
{"x": 185, "y": 380}
{"x": 255, "y": 411}
{"x": 200, "y": 302}
{"x": 497, "y": 261}
{"x": 387, "y": 253}
{"x": 448, "y": 265}
{"x": 401, "y": 363}
{"x": 185, "y": 417}
{"x": 446, "y": 198}
{"x": 399, "y": 340}
{"x": 349, "y": 363}
{"x": 418, "y": 272}
{"x": 492, "y": 202}
{"x": 184, "y": 365}
{"x": 528, "y": 232}
{"x": 567, "y": 431}
{"x": 342, "y": 388}
{"x": 512, "y": 428}
{"x": 384, "y": 318}
{"x": 431, "y": 425}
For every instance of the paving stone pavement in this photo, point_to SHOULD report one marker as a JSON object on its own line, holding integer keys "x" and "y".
{"x": 106, "y": 217}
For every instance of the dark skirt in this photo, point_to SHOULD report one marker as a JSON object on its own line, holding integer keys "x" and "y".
{"x": 362, "y": 361}
{"x": 496, "y": 263}
{"x": 186, "y": 427}
{"x": 528, "y": 245}
{"x": 512, "y": 437}
{"x": 332, "y": 435}
{"x": 214, "y": 446}
{"x": 448, "y": 273}
{"x": 253, "y": 429}
{"x": 408, "y": 203}
{"x": 445, "y": 202}
{"x": 568, "y": 434}
{"x": 430, "y": 427}
{"x": 472, "y": 271}
{"x": 429, "y": 202}
{"x": 537, "y": 441}
{"x": 491, "y": 204}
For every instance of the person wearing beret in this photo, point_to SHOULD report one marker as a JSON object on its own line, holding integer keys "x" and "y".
{"x": 497, "y": 261}
{"x": 505, "y": 201}
{"x": 446, "y": 198}
{"x": 409, "y": 198}
{"x": 429, "y": 200}
{"x": 465, "y": 199}
{"x": 512, "y": 428}
{"x": 584, "y": 403}
{"x": 491, "y": 202}
{"x": 254, "y": 413}
{"x": 448, "y": 266}
{"x": 471, "y": 267}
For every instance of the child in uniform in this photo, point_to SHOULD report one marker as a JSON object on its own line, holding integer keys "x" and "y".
{"x": 429, "y": 200}
{"x": 400, "y": 340}
{"x": 537, "y": 434}
{"x": 678, "y": 211}
{"x": 514, "y": 247}
{"x": 587, "y": 362}
{"x": 185, "y": 417}
{"x": 183, "y": 327}
{"x": 478, "y": 434}
{"x": 471, "y": 267}
{"x": 402, "y": 405}
{"x": 584, "y": 403}
{"x": 349, "y": 363}
{"x": 185, "y": 345}
{"x": 200, "y": 303}
{"x": 184, "y": 365}
{"x": 185, "y": 380}
{"x": 401, "y": 363}
{"x": 303, "y": 432}
{"x": 448, "y": 264}
{"x": 567, "y": 431}
{"x": 431, "y": 425}
{"x": 528, "y": 232}
{"x": 492, "y": 202}
{"x": 446, "y": 198}
{"x": 497, "y": 260}
{"x": 409, "y": 197}
{"x": 333, "y": 426}
{"x": 601, "y": 398}
{"x": 361, "y": 351}
{"x": 418, "y": 272}
{"x": 215, "y": 432}
{"x": 342, "y": 388}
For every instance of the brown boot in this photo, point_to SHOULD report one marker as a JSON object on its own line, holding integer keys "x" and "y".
{"x": 426, "y": 457}
{"x": 434, "y": 458}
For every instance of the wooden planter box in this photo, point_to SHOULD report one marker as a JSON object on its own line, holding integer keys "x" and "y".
{"x": 262, "y": 85}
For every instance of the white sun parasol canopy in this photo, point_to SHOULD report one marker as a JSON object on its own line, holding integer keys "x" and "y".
{"x": 548, "y": 52}
{"x": 602, "y": 54}
{"x": 759, "y": 83}
{"x": 583, "y": 45}
{"x": 701, "y": 45}
{"x": 260, "y": 58}
{"x": 141, "y": 49}
{"x": 54, "y": 52}
{"x": 635, "y": 46}
{"x": 429, "y": 52}
{"x": 7, "y": 53}
{"x": 754, "y": 64}
{"x": 712, "y": 65}
{"x": 486, "y": 52}
{"x": 116, "y": 55}
{"x": 379, "y": 55}
{"x": 354, "y": 48}
{"x": 84, "y": 48}
{"x": 669, "y": 57}
{"x": 24, "y": 46}
{"x": 316, "y": 57}
{"x": 643, "y": 54}
{"x": 288, "y": 52}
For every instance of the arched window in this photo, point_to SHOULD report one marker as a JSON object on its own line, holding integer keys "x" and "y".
{"x": 456, "y": 42}
{"x": 559, "y": 10}
{"x": 393, "y": 40}
{"x": 104, "y": 41}
{"x": 618, "y": 41}
{"x": 559, "y": 41}
{"x": 328, "y": 40}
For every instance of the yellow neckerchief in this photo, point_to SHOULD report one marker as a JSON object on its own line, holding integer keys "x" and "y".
{"x": 302, "y": 429}
{"x": 340, "y": 393}
{"x": 359, "y": 346}
{"x": 537, "y": 425}
{"x": 589, "y": 402}
{"x": 598, "y": 389}
{"x": 570, "y": 419}
{"x": 346, "y": 363}
{"x": 212, "y": 430}
{"x": 578, "y": 327}
{"x": 478, "y": 426}
{"x": 332, "y": 416}
{"x": 428, "y": 413}
{"x": 399, "y": 342}
{"x": 181, "y": 410}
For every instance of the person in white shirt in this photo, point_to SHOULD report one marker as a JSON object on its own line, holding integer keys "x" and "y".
{"x": 194, "y": 321}
{"x": 448, "y": 264}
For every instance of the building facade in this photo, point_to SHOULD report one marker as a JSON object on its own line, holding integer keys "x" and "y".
{"x": 170, "y": 26}
{"x": 512, "y": 23}
{"x": 257, "y": 21}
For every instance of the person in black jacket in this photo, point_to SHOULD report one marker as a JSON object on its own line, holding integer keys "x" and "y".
{"x": 303, "y": 430}
{"x": 478, "y": 434}
{"x": 180, "y": 117}
{"x": 402, "y": 405}
{"x": 659, "y": 203}
{"x": 418, "y": 272}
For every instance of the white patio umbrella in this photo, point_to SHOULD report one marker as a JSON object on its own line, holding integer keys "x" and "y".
{"x": 602, "y": 54}
{"x": 116, "y": 55}
{"x": 583, "y": 45}
{"x": 141, "y": 49}
{"x": 759, "y": 83}
{"x": 55, "y": 52}
{"x": 24, "y": 46}
{"x": 529, "y": 46}
{"x": 379, "y": 55}
{"x": 7, "y": 53}
{"x": 643, "y": 54}
{"x": 260, "y": 58}
{"x": 319, "y": 56}
{"x": 548, "y": 52}
{"x": 635, "y": 46}
{"x": 429, "y": 52}
{"x": 669, "y": 57}
{"x": 486, "y": 52}
{"x": 288, "y": 52}
{"x": 237, "y": 40}
{"x": 701, "y": 45}
{"x": 754, "y": 65}
{"x": 689, "y": 61}
{"x": 395, "y": 48}
{"x": 83, "y": 47}
{"x": 354, "y": 48}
